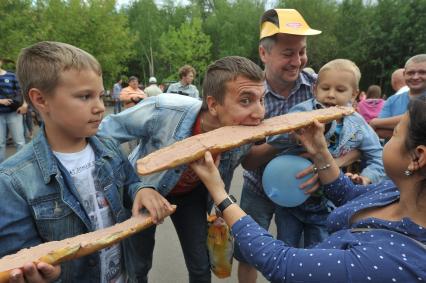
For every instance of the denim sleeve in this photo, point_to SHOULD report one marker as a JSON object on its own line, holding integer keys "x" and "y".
{"x": 342, "y": 190}
{"x": 372, "y": 152}
{"x": 17, "y": 228}
{"x": 287, "y": 142}
{"x": 131, "y": 124}
{"x": 132, "y": 184}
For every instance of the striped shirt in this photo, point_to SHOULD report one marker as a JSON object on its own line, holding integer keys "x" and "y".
{"x": 275, "y": 105}
{"x": 9, "y": 89}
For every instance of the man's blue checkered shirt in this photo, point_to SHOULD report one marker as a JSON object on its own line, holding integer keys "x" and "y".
{"x": 275, "y": 105}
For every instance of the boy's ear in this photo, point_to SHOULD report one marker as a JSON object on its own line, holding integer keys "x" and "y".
{"x": 38, "y": 99}
{"x": 212, "y": 103}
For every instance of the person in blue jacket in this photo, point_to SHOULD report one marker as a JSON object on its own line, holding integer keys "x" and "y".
{"x": 378, "y": 230}
{"x": 233, "y": 93}
{"x": 337, "y": 85}
{"x": 67, "y": 181}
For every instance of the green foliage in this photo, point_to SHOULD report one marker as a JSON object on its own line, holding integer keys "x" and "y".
{"x": 15, "y": 27}
{"x": 145, "y": 21}
{"x": 234, "y": 28}
{"x": 185, "y": 45}
{"x": 92, "y": 25}
{"x": 147, "y": 39}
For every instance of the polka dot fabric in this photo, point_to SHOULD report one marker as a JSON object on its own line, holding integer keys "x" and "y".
{"x": 345, "y": 256}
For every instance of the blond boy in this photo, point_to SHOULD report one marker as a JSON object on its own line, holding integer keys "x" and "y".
{"x": 67, "y": 181}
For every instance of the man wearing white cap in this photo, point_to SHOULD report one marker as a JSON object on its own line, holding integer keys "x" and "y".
{"x": 282, "y": 49}
{"x": 152, "y": 89}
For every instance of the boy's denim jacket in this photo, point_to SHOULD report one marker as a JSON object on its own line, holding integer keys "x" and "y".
{"x": 160, "y": 121}
{"x": 39, "y": 202}
{"x": 355, "y": 134}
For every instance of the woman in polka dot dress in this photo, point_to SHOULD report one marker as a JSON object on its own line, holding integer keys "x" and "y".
{"x": 378, "y": 231}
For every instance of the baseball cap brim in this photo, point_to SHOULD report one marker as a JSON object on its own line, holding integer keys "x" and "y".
{"x": 290, "y": 22}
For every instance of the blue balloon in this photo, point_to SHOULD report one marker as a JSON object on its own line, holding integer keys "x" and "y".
{"x": 280, "y": 183}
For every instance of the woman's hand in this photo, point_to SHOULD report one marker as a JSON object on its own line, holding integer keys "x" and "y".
{"x": 312, "y": 138}
{"x": 312, "y": 181}
{"x": 206, "y": 169}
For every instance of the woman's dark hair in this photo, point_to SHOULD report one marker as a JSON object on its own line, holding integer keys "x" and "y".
{"x": 417, "y": 124}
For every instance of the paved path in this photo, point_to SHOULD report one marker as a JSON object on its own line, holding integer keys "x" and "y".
{"x": 169, "y": 265}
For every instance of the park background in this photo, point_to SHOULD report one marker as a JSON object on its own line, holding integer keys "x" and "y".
{"x": 147, "y": 37}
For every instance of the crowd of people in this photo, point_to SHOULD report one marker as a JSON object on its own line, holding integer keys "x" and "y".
{"x": 73, "y": 177}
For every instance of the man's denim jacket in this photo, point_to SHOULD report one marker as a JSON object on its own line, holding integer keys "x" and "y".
{"x": 355, "y": 134}
{"x": 160, "y": 121}
{"x": 40, "y": 203}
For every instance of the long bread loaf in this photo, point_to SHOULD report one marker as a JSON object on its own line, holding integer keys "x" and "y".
{"x": 229, "y": 137}
{"x": 56, "y": 252}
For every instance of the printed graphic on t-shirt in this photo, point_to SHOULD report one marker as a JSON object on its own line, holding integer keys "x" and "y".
{"x": 81, "y": 167}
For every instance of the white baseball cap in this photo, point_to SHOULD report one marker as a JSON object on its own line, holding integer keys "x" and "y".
{"x": 152, "y": 80}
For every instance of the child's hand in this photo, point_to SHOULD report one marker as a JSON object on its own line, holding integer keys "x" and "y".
{"x": 358, "y": 179}
{"x": 32, "y": 273}
{"x": 157, "y": 206}
{"x": 312, "y": 138}
{"x": 207, "y": 171}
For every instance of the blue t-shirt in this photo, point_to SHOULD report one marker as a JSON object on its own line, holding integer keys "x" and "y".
{"x": 395, "y": 105}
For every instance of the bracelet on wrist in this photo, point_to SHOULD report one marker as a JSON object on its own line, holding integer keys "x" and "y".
{"x": 325, "y": 167}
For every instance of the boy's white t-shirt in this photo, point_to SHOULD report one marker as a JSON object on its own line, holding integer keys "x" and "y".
{"x": 81, "y": 166}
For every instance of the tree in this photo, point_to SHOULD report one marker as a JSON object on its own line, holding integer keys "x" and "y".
{"x": 93, "y": 25}
{"x": 15, "y": 27}
{"x": 396, "y": 33}
{"x": 234, "y": 28}
{"x": 147, "y": 24}
{"x": 185, "y": 45}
